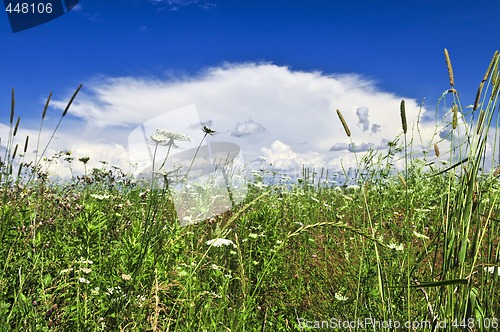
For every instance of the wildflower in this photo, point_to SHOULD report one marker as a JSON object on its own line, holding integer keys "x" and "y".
{"x": 253, "y": 235}
{"x": 341, "y": 297}
{"x": 397, "y": 247}
{"x": 95, "y": 291}
{"x": 83, "y": 281}
{"x": 219, "y": 242}
{"x": 85, "y": 261}
{"x": 208, "y": 131}
{"x": 66, "y": 271}
{"x": 166, "y": 138}
{"x": 99, "y": 197}
{"x": 86, "y": 270}
{"x": 126, "y": 277}
{"x": 84, "y": 160}
{"x": 491, "y": 269}
{"x": 214, "y": 266}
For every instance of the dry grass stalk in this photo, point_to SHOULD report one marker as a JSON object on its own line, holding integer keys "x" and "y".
{"x": 436, "y": 150}
{"x": 450, "y": 69}
{"x": 454, "y": 121}
{"x": 453, "y": 90}
{"x": 344, "y": 124}
{"x": 403, "y": 116}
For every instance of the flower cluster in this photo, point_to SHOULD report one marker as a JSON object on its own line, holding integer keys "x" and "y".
{"x": 167, "y": 138}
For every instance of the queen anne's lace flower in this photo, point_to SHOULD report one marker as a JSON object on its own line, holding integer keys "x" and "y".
{"x": 166, "y": 138}
{"x": 219, "y": 242}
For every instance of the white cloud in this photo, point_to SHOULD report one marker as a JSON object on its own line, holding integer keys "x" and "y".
{"x": 254, "y": 106}
{"x": 247, "y": 128}
{"x": 285, "y": 115}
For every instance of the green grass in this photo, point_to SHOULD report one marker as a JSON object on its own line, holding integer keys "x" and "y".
{"x": 100, "y": 253}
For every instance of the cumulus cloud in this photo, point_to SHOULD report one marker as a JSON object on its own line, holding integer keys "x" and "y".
{"x": 247, "y": 128}
{"x": 286, "y": 115}
{"x": 362, "y": 113}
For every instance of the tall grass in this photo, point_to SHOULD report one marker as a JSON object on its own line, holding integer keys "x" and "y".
{"x": 102, "y": 253}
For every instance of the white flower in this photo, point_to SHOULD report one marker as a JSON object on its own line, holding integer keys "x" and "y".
{"x": 166, "y": 138}
{"x": 86, "y": 270}
{"x": 85, "y": 261}
{"x": 491, "y": 269}
{"x": 219, "y": 242}
{"x": 66, "y": 271}
{"x": 83, "y": 281}
{"x": 341, "y": 297}
{"x": 99, "y": 197}
{"x": 126, "y": 277}
{"x": 398, "y": 247}
{"x": 95, "y": 291}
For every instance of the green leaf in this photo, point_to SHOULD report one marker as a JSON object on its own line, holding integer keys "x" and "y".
{"x": 441, "y": 283}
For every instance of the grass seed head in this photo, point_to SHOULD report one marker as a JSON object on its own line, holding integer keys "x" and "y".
{"x": 480, "y": 121}
{"x": 46, "y": 106}
{"x": 402, "y": 180}
{"x": 403, "y": 116}
{"x": 436, "y": 150}
{"x": 454, "y": 121}
{"x": 15, "y": 152}
{"x": 344, "y": 124}
{"x": 495, "y": 90}
{"x": 450, "y": 69}
{"x": 71, "y": 100}
{"x": 478, "y": 95}
{"x": 26, "y": 144}
{"x": 488, "y": 71}
{"x": 16, "y": 127}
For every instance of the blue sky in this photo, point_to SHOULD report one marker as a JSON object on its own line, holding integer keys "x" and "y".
{"x": 359, "y": 56}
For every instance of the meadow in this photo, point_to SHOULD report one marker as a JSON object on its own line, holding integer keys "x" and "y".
{"x": 417, "y": 244}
